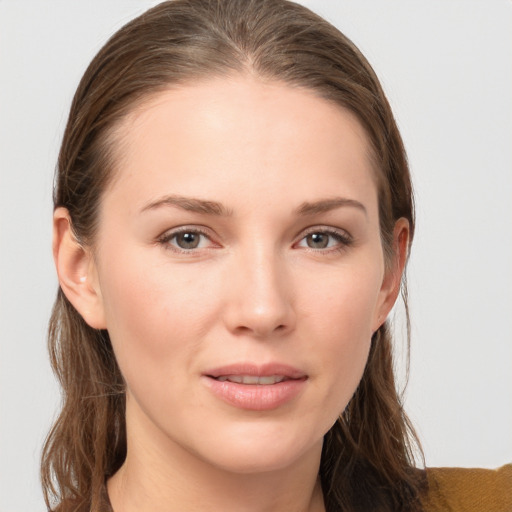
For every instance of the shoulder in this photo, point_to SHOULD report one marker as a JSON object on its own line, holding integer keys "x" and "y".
{"x": 469, "y": 490}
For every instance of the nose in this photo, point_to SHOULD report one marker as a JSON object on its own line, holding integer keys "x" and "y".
{"x": 260, "y": 296}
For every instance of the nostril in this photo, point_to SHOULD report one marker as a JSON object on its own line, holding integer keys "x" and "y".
{"x": 259, "y": 331}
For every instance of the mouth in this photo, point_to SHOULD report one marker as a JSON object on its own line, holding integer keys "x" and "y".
{"x": 257, "y": 388}
{"x": 252, "y": 379}
{"x": 251, "y": 374}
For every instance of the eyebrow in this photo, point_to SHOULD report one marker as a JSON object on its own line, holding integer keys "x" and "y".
{"x": 206, "y": 207}
{"x": 326, "y": 205}
{"x": 189, "y": 204}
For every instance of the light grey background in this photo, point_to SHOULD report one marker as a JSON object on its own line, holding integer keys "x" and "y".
{"x": 447, "y": 68}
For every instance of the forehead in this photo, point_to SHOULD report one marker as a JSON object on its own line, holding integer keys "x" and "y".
{"x": 242, "y": 132}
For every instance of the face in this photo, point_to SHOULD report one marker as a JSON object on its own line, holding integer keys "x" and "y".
{"x": 239, "y": 270}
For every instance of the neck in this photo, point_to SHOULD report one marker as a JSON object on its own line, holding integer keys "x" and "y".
{"x": 159, "y": 475}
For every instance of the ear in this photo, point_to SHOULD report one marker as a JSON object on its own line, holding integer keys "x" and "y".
{"x": 76, "y": 271}
{"x": 393, "y": 274}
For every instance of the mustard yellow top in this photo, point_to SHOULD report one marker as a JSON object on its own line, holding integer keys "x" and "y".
{"x": 469, "y": 490}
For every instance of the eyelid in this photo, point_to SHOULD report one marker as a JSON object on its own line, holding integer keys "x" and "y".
{"x": 344, "y": 237}
{"x": 169, "y": 234}
{"x": 323, "y": 228}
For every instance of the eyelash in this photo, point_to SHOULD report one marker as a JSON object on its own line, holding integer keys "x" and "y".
{"x": 166, "y": 238}
{"x": 342, "y": 238}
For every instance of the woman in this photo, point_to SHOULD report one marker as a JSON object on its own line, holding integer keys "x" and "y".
{"x": 233, "y": 213}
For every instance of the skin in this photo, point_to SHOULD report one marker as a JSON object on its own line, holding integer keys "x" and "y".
{"x": 258, "y": 287}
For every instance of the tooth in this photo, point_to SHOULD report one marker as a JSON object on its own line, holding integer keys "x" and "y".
{"x": 271, "y": 379}
{"x": 250, "y": 379}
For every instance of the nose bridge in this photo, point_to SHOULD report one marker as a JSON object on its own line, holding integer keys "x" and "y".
{"x": 261, "y": 303}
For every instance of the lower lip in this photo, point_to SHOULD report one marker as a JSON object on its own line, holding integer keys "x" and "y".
{"x": 256, "y": 397}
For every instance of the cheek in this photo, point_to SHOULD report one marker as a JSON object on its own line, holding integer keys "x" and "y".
{"x": 341, "y": 314}
{"x": 345, "y": 302}
{"x": 155, "y": 317}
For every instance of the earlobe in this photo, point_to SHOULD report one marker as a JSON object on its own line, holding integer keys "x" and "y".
{"x": 394, "y": 271}
{"x": 76, "y": 271}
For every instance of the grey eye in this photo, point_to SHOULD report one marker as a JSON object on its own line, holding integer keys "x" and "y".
{"x": 187, "y": 240}
{"x": 318, "y": 240}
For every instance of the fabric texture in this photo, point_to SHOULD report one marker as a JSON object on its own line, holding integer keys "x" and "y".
{"x": 469, "y": 490}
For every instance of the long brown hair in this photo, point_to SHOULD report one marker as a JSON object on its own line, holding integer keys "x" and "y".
{"x": 368, "y": 455}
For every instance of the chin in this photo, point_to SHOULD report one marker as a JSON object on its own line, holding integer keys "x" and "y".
{"x": 253, "y": 461}
{"x": 256, "y": 449}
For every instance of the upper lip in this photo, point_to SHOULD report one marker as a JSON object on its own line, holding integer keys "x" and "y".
{"x": 264, "y": 370}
